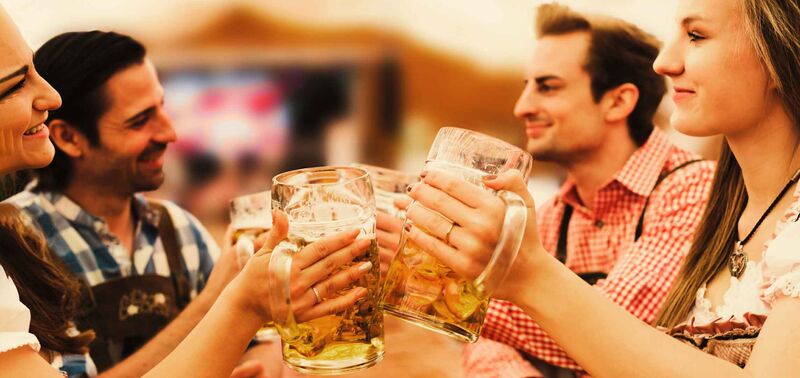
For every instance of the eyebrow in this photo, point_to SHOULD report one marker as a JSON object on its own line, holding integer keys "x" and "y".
{"x": 21, "y": 71}
{"x": 690, "y": 19}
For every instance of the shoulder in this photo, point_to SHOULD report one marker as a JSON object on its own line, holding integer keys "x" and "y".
{"x": 15, "y": 318}
{"x": 781, "y": 264}
{"x": 188, "y": 228}
{"x": 685, "y": 174}
{"x": 27, "y": 201}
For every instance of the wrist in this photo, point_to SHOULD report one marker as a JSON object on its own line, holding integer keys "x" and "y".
{"x": 527, "y": 273}
{"x": 240, "y": 300}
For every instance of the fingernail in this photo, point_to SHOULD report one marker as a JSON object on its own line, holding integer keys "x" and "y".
{"x": 360, "y": 291}
{"x": 489, "y": 177}
{"x": 423, "y": 174}
{"x": 407, "y": 227}
{"x": 365, "y": 267}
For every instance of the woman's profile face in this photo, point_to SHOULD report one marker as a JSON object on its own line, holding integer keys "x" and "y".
{"x": 25, "y": 99}
{"x": 718, "y": 82}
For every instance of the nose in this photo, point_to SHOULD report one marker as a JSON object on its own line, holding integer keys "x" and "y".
{"x": 166, "y": 132}
{"x": 526, "y": 103}
{"x": 670, "y": 60}
{"x": 47, "y": 98}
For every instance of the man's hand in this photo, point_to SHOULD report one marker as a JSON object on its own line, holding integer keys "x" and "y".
{"x": 388, "y": 234}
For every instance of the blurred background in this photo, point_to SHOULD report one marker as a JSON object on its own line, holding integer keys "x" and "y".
{"x": 256, "y": 87}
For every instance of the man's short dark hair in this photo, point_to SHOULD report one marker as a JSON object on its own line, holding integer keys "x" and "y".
{"x": 78, "y": 65}
{"x": 619, "y": 53}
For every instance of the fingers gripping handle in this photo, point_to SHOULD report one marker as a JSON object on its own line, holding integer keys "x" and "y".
{"x": 507, "y": 248}
{"x": 280, "y": 297}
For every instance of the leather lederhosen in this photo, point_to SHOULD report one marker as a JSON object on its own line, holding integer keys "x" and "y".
{"x": 129, "y": 311}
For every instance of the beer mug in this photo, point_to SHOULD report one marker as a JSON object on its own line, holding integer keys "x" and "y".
{"x": 419, "y": 288}
{"x": 388, "y": 185}
{"x": 251, "y": 215}
{"x": 320, "y": 202}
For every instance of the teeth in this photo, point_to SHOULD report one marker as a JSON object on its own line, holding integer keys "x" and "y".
{"x": 34, "y": 130}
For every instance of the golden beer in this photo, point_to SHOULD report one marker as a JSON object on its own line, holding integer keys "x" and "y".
{"x": 419, "y": 288}
{"x": 250, "y": 217}
{"x": 351, "y": 337}
{"x": 321, "y": 202}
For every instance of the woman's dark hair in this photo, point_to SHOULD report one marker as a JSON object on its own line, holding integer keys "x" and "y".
{"x": 45, "y": 286}
{"x": 78, "y": 65}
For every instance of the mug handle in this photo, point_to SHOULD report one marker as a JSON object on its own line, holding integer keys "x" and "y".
{"x": 507, "y": 248}
{"x": 280, "y": 297}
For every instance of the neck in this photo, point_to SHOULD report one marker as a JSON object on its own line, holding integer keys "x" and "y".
{"x": 99, "y": 200}
{"x": 591, "y": 172}
{"x": 767, "y": 155}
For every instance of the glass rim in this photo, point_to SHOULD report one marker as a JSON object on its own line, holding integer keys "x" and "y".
{"x": 384, "y": 170}
{"x": 487, "y": 136}
{"x": 280, "y": 178}
{"x": 267, "y": 193}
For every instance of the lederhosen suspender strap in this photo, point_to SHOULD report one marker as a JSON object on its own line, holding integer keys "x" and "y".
{"x": 126, "y": 312}
{"x": 166, "y": 229}
{"x": 561, "y": 249}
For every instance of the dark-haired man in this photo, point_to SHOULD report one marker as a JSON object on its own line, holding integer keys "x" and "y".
{"x": 628, "y": 209}
{"x": 145, "y": 265}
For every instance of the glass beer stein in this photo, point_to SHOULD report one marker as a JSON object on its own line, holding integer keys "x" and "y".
{"x": 389, "y": 185}
{"x": 251, "y": 215}
{"x": 420, "y": 289}
{"x": 320, "y": 202}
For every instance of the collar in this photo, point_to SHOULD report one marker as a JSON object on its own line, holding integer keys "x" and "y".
{"x": 639, "y": 174}
{"x": 74, "y": 213}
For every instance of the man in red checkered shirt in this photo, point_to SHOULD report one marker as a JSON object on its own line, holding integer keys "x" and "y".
{"x": 631, "y": 201}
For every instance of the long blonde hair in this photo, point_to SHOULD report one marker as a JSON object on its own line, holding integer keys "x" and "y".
{"x": 773, "y": 27}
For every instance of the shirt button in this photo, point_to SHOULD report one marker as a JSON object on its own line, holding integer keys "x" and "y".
{"x": 599, "y": 223}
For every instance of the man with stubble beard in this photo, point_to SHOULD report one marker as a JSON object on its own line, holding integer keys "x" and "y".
{"x": 145, "y": 265}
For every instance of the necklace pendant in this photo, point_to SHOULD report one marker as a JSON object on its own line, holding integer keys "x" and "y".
{"x": 738, "y": 261}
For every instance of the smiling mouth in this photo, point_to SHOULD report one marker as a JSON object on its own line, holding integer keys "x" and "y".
{"x": 34, "y": 130}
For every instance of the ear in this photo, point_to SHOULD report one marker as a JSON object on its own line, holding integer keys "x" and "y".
{"x": 67, "y": 138}
{"x": 618, "y": 103}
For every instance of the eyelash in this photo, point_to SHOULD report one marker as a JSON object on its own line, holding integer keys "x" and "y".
{"x": 140, "y": 123}
{"x": 694, "y": 37}
{"x": 544, "y": 88}
{"x": 14, "y": 88}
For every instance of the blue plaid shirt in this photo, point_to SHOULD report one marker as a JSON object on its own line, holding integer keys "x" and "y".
{"x": 85, "y": 244}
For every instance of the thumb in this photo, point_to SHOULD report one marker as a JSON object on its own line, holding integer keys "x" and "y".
{"x": 512, "y": 181}
{"x": 278, "y": 232}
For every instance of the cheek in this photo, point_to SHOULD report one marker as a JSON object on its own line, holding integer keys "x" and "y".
{"x": 16, "y": 117}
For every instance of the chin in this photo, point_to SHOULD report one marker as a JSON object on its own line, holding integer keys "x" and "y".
{"x": 691, "y": 126}
{"x": 39, "y": 159}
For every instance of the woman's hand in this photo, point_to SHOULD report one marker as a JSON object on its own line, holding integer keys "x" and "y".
{"x": 478, "y": 220}
{"x": 312, "y": 267}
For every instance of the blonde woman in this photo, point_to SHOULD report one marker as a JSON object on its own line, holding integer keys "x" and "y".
{"x": 29, "y": 278}
{"x": 733, "y": 67}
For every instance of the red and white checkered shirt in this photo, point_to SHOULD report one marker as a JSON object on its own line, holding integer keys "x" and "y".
{"x": 640, "y": 272}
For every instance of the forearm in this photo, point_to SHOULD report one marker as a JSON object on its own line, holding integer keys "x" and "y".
{"x": 165, "y": 341}
{"x": 215, "y": 345}
{"x": 588, "y": 326}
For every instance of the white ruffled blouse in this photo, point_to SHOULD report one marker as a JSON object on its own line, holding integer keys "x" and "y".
{"x": 15, "y": 318}
{"x": 776, "y": 275}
